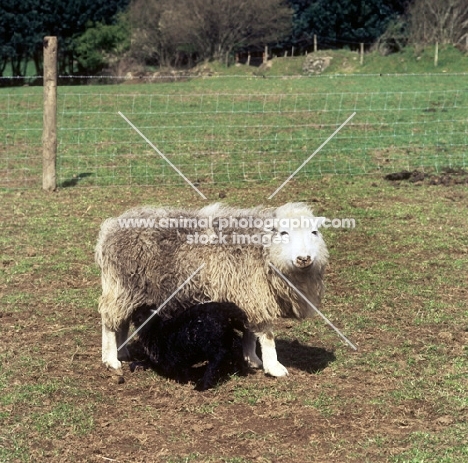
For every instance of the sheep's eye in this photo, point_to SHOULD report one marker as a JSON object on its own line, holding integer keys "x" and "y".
{"x": 315, "y": 232}
{"x": 283, "y": 233}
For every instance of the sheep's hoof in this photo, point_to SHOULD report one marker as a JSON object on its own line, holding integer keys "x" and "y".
{"x": 116, "y": 371}
{"x": 277, "y": 370}
{"x": 114, "y": 367}
{"x": 124, "y": 355}
{"x": 254, "y": 362}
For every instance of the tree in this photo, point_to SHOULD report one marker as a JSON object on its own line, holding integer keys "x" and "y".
{"x": 101, "y": 45}
{"x": 149, "y": 45}
{"x": 20, "y": 28}
{"x": 211, "y": 29}
{"x": 433, "y": 21}
{"x": 24, "y": 23}
{"x": 68, "y": 19}
{"x": 342, "y": 22}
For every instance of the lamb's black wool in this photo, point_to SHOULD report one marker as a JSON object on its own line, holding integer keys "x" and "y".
{"x": 204, "y": 332}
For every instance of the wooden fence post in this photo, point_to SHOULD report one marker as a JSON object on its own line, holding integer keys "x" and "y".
{"x": 361, "y": 59}
{"x": 315, "y": 43}
{"x": 436, "y": 54}
{"x": 49, "y": 130}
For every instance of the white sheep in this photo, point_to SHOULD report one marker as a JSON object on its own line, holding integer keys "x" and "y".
{"x": 147, "y": 253}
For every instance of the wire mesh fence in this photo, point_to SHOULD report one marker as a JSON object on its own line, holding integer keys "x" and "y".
{"x": 229, "y": 137}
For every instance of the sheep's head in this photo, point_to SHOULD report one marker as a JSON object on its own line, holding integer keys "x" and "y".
{"x": 297, "y": 241}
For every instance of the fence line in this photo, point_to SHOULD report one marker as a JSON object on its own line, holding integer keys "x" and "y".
{"x": 177, "y": 76}
{"x": 230, "y": 137}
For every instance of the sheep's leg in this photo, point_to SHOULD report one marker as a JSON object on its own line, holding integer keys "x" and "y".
{"x": 271, "y": 365}
{"x": 109, "y": 349}
{"x": 249, "y": 344}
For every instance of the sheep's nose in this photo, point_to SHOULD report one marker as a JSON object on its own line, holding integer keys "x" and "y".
{"x": 303, "y": 261}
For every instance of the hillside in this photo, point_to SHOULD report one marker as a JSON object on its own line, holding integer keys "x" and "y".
{"x": 409, "y": 61}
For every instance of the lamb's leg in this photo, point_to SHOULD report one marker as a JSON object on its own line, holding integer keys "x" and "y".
{"x": 121, "y": 337}
{"x": 212, "y": 370}
{"x": 249, "y": 344}
{"x": 271, "y": 365}
{"x": 109, "y": 349}
{"x": 208, "y": 378}
{"x": 140, "y": 365}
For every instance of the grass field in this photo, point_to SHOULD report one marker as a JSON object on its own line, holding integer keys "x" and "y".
{"x": 241, "y": 129}
{"x": 396, "y": 284}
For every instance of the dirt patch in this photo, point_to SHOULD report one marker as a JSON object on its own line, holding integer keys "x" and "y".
{"x": 447, "y": 177}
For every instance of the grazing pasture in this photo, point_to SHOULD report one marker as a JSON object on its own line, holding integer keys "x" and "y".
{"x": 396, "y": 286}
{"x": 237, "y": 130}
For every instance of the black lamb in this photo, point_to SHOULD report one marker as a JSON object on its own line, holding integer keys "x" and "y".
{"x": 203, "y": 333}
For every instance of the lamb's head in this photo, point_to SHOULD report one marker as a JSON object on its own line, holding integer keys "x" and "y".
{"x": 297, "y": 244}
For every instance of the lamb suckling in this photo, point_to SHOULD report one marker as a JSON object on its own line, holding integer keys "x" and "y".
{"x": 210, "y": 332}
{"x": 144, "y": 260}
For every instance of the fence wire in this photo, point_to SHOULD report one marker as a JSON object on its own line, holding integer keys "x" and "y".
{"x": 229, "y": 137}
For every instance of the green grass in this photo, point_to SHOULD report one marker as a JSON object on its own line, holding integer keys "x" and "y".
{"x": 30, "y": 70}
{"x": 408, "y": 61}
{"x": 395, "y": 285}
{"x": 243, "y": 129}
{"x": 393, "y": 288}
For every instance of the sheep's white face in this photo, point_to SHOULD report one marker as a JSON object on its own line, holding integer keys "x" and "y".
{"x": 298, "y": 243}
{"x": 299, "y": 247}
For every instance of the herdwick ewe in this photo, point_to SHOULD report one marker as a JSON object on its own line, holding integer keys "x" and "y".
{"x": 146, "y": 254}
{"x": 203, "y": 332}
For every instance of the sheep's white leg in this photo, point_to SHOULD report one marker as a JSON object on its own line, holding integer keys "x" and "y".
{"x": 249, "y": 344}
{"x": 271, "y": 365}
{"x": 109, "y": 348}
